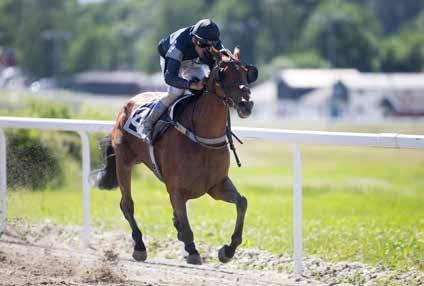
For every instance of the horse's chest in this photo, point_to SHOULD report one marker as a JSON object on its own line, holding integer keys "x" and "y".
{"x": 199, "y": 170}
{"x": 207, "y": 163}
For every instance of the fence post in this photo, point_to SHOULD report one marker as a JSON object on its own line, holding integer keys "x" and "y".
{"x": 297, "y": 211}
{"x": 3, "y": 182}
{"x": 85, "y": 232}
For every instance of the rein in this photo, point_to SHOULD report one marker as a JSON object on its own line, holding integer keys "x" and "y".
{"x": 218, "y": 142}
{"x": 229, "y": 133}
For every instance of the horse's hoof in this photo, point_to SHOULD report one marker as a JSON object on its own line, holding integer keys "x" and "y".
{"x": 194, "y": 259}
{"x": 140, "y": 255}
{"x": 222, "y": 256}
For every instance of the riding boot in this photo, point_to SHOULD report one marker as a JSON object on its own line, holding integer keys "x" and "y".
{"x": 145, "y": 129}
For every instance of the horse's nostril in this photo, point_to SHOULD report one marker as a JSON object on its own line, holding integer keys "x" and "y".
{"x": 244, "y": 88}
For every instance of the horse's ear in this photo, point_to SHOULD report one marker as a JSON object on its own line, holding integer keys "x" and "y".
{"x": 236, "y": 53}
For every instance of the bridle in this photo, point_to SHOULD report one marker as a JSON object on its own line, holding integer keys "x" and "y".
{"x": 227, "y": 99}
{"x": 217, "y": 81}
{"x": 219, "y": 142}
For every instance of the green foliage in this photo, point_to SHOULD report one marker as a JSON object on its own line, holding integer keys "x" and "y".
{"x": 10, "y": 13}
{"x": 148, "y": 57}
{"x": 344, "y": 34}
{"x": 38, "y": 31}
{"x": 30, "y": 106}
{"x": 48, "y": 109}
{"x": 96, "y": 49}
{"x": 41, "y": 159}
{"x": 280, "y": 27}
{"x": 31, "y": 164}
{"x": 240, "y": 23}
{"x": 58, "y": 38}
{"x": 393, "y": 14}
{"x": 405, "y": 50}
{"x": 107, "y": 33}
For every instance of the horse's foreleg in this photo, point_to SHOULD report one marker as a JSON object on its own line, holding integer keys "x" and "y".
{"x": 127, "y": 206}
{"x": 227, "y": 192}
{"x": 185, "y": 234}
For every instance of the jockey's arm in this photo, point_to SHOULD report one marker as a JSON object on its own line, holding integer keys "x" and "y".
{"x": 172, "y": 68}
{"x": 173, "y": 60}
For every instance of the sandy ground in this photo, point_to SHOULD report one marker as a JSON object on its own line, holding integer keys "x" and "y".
{"x": 46, "y": 253}
{"x": 49, "y": 254}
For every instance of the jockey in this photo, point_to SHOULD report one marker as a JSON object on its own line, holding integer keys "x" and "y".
{"x": 184, "y": 56}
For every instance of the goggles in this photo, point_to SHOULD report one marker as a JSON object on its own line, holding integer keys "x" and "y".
{"x": 203, "y": 43}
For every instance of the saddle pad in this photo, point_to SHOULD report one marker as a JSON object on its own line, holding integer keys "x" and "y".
{"x": 137, "y": 116}
{"x": 143, "y": 110}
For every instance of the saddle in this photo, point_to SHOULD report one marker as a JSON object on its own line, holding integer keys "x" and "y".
{"x": 167, "y": 120}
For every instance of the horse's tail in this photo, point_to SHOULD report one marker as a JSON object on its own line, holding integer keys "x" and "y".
{"x": 106, "y": 177}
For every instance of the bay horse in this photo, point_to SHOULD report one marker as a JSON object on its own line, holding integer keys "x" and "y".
{"x": 189, "y": 170}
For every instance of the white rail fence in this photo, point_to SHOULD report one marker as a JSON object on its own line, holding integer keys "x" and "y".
{"x": 295, "y": 137}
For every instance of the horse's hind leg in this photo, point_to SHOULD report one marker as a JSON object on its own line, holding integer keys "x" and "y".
{"x": 226, "y": 191}
{"x": 123, "y": 171}
{"x": 181, "y": 223}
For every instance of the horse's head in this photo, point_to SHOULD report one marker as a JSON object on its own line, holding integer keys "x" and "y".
{"x": 231, "y": 81}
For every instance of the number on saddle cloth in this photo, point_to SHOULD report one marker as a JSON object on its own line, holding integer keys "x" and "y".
{"x": 137, "y": 117}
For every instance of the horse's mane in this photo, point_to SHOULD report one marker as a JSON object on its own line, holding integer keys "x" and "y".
{"x": 180, "y": 108}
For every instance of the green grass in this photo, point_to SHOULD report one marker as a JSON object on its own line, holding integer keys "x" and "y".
{"x": 360, "y": 204}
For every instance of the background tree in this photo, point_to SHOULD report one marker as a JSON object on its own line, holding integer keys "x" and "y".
{"x": 57, "y": 38}
{"x": 404, "y": 52}
{"x": 240, "y": 24}
{"x": 392, "y": 14}
{"x": 344, "y": 34}
{"x": 38, "y": 39}
{"x": 167, "y": 18}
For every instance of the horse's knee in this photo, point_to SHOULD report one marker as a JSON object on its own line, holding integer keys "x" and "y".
{"x": 241, "y": 203}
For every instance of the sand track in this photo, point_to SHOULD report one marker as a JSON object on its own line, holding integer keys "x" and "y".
{"x": 50, "y": 254}
{"x": 40, "y": 255}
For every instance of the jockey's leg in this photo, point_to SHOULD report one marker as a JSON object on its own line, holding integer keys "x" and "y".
{"x": 189, "y": 71}
{"x": 158, "y": 109}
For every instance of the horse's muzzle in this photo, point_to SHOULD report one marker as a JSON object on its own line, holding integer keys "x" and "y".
{"x": 244, "y": 108}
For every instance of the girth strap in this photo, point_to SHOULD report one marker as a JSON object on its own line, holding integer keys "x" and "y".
{"x": 156, "y": 169}
{"x": 212, "y": 143}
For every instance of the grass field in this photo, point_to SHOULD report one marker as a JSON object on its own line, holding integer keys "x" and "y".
{"x": 360, "y": 204}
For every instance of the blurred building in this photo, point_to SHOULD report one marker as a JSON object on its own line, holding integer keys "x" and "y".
{"x": 293, "y": 84}
{"x": 347, "y": 93}
{"x": 264, "y": 95}
{"x": 116, "y": 82}
{"x": 397, "y": 94}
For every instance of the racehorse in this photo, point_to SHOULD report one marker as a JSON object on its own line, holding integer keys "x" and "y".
{"x": 189, "y": 168}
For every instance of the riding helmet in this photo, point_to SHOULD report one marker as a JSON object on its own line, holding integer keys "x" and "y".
{"x": 207, "y": 30}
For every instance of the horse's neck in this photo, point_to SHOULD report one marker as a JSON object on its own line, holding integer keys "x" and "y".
{"x": 210, "y": 116}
